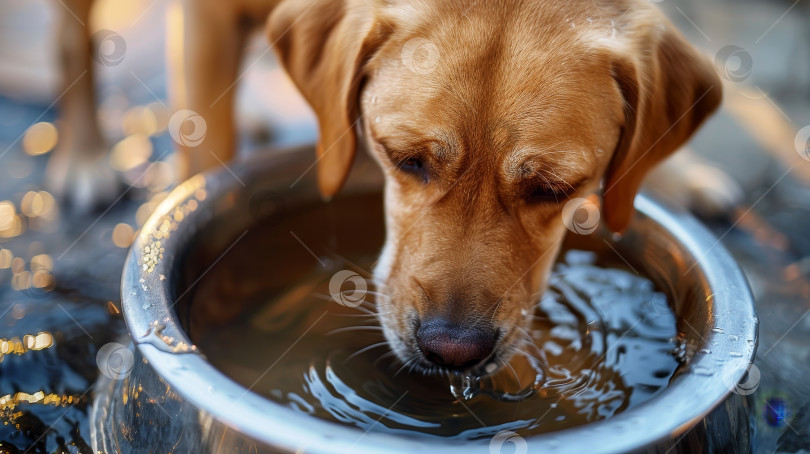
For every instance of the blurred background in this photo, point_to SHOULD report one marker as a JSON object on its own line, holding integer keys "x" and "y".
{"x": 60, "y": 271}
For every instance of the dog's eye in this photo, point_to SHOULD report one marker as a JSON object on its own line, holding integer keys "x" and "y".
{"x": 547, "y": 193}
{"x": 414, "y": 166}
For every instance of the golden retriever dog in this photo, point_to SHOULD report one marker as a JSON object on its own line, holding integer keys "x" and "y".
{"x": 486, "y": 117}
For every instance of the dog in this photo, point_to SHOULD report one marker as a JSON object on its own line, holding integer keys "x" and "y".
{"x": 485, "y": 117}
{"x": 517, "y": 107}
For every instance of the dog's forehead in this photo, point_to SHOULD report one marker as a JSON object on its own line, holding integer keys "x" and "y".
{"x": 527, "y": 85}
{"x": 519, "y": 120}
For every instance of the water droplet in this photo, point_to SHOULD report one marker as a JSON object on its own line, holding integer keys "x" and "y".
{"x": 735, "y": 354}
{"x": 750, "y": 342}
{"x": 702, "y": 371}
{"x": 733, "y": 338}
{"x": 718, "y": 330}
{"x": 705, "y": 351}
{"x": 155, "y": 337}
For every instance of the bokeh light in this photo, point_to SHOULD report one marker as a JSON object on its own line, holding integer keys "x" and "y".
{"x": 5, "y": 259}
{"x": 42, "y": 262}
{"x": 41, "y": 209}
{"x": 32, "y": 204}
{"x": 146, "y": 209}
{"x": 131, "y": 152}
{"x": 139, "y": 120}
{"x": 7, "y": 213}
{"x": 11, "y": 224}
{"x": 40, "y": 138}
{"x": 158, "y": 176}
{"x": 21, "y": 280}
{"x": 123, "y": 235}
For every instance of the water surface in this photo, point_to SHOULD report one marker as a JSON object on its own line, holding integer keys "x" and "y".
{"x": 604, "y": 342}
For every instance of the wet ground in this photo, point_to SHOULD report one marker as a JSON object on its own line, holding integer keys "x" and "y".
{"x": 59, "y": 273}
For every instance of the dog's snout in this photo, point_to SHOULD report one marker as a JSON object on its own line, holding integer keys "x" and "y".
{"x": 453, "y": 346}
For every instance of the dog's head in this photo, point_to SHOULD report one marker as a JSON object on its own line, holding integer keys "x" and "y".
{"x": 487, "y": 118}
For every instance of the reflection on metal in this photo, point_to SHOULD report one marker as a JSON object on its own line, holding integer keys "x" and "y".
{"x": 160, "y": 225}
{"x": 180, "y": 403}
{"x": 155, "y": 337}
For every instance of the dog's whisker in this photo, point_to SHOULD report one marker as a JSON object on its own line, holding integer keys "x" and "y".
{"x": 562, "y": 180}
{"x": 360, "y": 318}
{"x": 522, "y": 348}
{"x": 412, "y": 366}
{"x": 323, "y": 297}
{"x": 356, "y": 267}
{"x": 354, "y": 328}
{"x": 365, "y": 349}
{"x": 369, "y": 280}
{"x": 524, "y": 343}
{"x": 407, "y": 363}
{"x": 509, "y": 366}
{"x": 371, "y": 292}
{"x": 527, "y": 337}
{"x": 497, "y": 306}
{"x": 366, "y": 311}
{"x": 548, "y": 183}
{"x": 384, "y": 356}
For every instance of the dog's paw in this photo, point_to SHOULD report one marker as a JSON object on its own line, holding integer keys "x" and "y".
{"x": 82, "y": 185}
{"x": 690, "y": 181}
{"x": 711, "y": 192}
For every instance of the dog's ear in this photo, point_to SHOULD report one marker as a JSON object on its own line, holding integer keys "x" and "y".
{"x": 668, "y": 89}
{"x": 324, "y": 45}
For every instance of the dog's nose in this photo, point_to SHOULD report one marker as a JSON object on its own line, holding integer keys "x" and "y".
{"x": 451, "y": 345}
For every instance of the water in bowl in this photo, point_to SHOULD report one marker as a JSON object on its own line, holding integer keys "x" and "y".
{"x": 603, "y": 343}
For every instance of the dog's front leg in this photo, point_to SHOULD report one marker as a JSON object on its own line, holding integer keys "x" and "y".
{"x": 77, "y": 171}
{"x": 203, "y": 65}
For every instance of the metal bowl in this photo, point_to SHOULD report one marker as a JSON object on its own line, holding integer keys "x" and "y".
{"x": 173, "y": 400}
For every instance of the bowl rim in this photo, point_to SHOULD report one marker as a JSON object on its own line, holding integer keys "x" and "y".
{"x": 146, "y": 299}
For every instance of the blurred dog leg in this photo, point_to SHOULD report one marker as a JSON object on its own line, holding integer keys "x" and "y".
{"x": 78, "y": 171}
{"x": 205, "y": 42}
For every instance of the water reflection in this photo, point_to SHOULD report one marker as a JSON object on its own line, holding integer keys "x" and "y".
{"x": 602, "y": 342}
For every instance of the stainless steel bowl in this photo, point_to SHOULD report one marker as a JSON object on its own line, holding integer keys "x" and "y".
{"x": 173, "y": 400}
